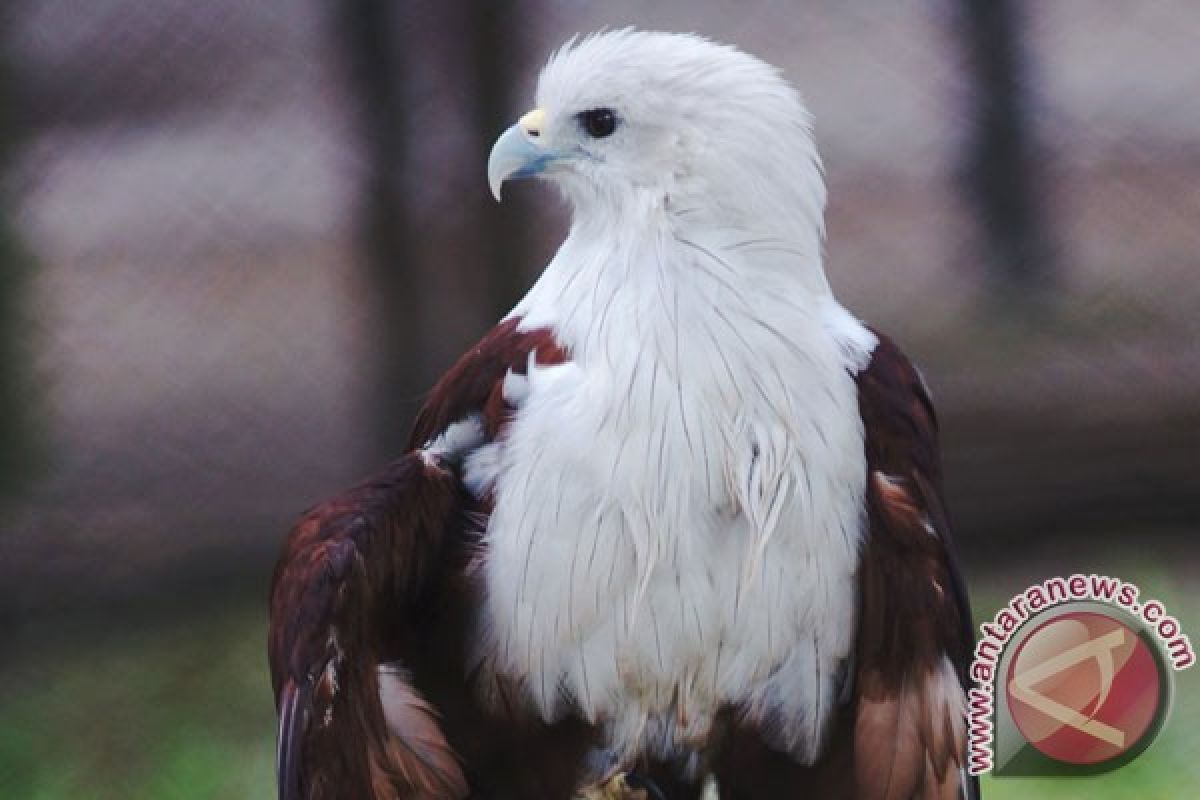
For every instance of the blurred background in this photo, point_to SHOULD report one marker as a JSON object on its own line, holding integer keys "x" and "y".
{"x": 238, "y": 241}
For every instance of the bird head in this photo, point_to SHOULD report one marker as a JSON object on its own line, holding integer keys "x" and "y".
{"x": 635, "y": 121}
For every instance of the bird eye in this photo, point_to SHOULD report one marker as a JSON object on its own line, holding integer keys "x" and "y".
{"x": 598, "y": 122}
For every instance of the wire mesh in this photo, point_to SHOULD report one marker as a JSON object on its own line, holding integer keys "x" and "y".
{"x": 189, "y": 183}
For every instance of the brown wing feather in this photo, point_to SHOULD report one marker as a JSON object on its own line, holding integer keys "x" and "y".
{"x": 417, "y": 739}
{"x": 346, "y": 564}
{"x": 355, "y": 575}
{"x": 914, "y": 636}
{"x": 473, "y": 385}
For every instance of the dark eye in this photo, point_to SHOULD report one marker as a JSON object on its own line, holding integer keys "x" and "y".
{"x": 599, "y": 122}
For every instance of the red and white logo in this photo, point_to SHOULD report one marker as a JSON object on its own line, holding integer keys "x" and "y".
{"x": 1084, "y": 688}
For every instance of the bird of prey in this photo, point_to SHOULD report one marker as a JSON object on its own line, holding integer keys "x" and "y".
{"x": 674, "y": 525}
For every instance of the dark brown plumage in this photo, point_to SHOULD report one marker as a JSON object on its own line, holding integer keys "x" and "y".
{"x": 384, "y": 575}
{"x": 347, "y": 566}
{"x": 913, "y": 608}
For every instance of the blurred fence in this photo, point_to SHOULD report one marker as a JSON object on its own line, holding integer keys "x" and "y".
{"x": 209, "y": 336}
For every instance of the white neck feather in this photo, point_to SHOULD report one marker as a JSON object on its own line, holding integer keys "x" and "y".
{"x": 675, "y": 272}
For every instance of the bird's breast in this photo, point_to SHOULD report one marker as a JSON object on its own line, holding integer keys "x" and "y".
{"x": 659, "y": 551}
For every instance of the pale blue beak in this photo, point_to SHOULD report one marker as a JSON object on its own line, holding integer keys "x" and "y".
{"x": 518, "y": 153}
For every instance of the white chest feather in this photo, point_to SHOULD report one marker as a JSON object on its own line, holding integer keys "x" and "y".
{"x": 678, "y": 509}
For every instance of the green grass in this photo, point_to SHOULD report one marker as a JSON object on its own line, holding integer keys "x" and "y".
{"x": 162, "y": 713}
{"x": 183, "y": 712}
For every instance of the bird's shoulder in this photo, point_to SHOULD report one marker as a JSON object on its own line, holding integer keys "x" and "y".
{"x": 474, "y": 385}
{"x": 907, "y": 520}
{"x": 899, "y": 419}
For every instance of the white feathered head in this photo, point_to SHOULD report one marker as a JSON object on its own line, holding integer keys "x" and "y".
{"x": 629, "y": 120}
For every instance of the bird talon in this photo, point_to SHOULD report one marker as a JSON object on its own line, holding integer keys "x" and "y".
{"x": 622, "y": 786}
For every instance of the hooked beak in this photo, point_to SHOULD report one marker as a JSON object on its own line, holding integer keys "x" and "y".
{"x": 519, "y": 153}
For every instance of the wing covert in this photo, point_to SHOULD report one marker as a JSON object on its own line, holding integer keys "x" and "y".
{"x": 914, "y": 632}
{"x": 348, "y": 565}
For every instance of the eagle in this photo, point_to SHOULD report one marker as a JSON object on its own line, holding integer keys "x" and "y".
{"x": 674, "y": 528}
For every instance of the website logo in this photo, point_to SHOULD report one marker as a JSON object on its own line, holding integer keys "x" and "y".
{"x": 1072, "y": 677}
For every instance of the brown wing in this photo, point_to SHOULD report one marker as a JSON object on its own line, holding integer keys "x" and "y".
{"x": 350, "y": 588}
{"x": 914, "y": 638}
{"x": 346, "y": 565}
{"x": 475, "y": 383}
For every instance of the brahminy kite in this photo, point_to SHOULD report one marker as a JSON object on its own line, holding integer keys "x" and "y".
{"x": 674, "y": 528}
